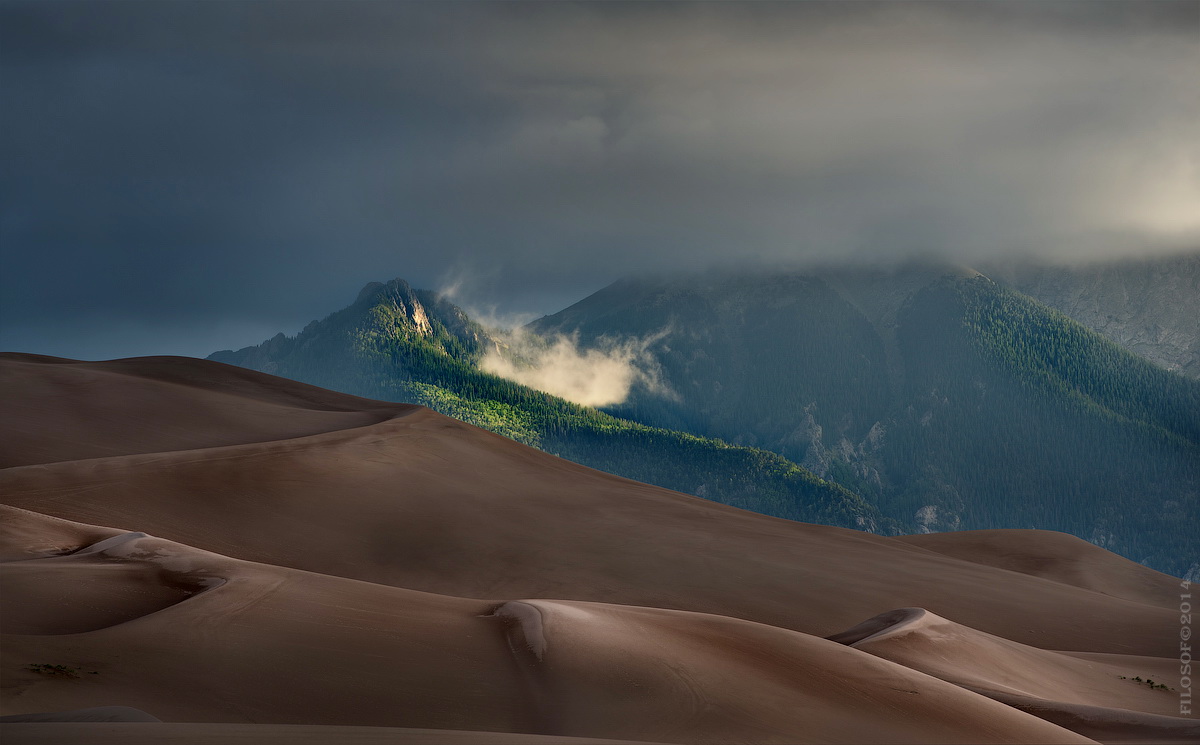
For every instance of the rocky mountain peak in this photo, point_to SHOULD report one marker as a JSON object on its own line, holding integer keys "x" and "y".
{"x": 400, "y": 297}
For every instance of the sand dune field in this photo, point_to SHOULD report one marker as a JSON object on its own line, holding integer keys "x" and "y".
{"x": 247, "y": 559}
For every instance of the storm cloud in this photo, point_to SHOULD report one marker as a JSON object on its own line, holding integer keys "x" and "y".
{"x": 186, "y": 176}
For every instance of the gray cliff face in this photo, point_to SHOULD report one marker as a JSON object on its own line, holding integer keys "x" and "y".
{"x": 1149, "y": 306}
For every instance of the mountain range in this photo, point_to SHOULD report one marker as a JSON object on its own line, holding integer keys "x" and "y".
{"x": 917, "y": 399}
{"x": 399, "y": 344}
{"x": 1150, "y": 306}
{"x": 946, "y": 399}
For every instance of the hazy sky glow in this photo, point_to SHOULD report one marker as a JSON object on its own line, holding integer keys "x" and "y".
{"x": 181, "y": 177}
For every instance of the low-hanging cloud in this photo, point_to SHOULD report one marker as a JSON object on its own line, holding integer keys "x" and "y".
{"x": 205, "y": 163}
{"x": 598, "y": 376}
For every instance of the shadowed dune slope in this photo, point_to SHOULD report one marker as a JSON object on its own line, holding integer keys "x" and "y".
{"x": 1055, "y": 556}
{"x": 266, "y": 644}
{"x": 68, "y": 595}
{"x": 29, "y": 535}
{"x": 424, "y": 502}
{"x": 58, "y": 410}
{"x": 705, "y": 678}
{"x": 1112, "y": 726}
{"x": 269, "y": 645}
{"x": 92, "y": 714}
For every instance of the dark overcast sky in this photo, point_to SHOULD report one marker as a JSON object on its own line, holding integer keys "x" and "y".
{"x": 180, "y": 177}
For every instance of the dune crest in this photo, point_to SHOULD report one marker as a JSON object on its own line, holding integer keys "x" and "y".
{"x": 1095, "y": 692}
{"x": 53, "y": 412}
{"x": 111, "y": 582}
{"x": 894, "y": 621}
{"x": 1055, "y": 556}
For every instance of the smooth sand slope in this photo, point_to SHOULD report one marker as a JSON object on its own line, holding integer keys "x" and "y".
{"x": 56, "y": 409}
{"x": 1054, "y": 556}
{"x": 270, "y": 734}
{"x": 265, "y": 644}
{"x": 398, "y": 568}
{"x": 1099, "y": 690}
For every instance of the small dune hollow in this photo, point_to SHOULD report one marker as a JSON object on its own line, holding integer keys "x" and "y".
{"x": 89, "y": 589}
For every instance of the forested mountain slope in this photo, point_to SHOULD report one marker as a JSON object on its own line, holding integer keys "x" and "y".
{"x": 399, "y": 344}
{"x": 946, "y": 399}
{"x": 1150, "y": 306}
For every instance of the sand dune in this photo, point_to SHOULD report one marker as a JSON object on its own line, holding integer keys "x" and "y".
{"x": 1112, "y": 726}
{"x": 924, "y": 641}
{"x": 274, "y": 645}
{"x": 1096, "y": 694}
{"x": 270, "y": 734}
{"x": 29, "y": 535}
{"x": 1055, "y": 556}
{"x": 267, "y": 644}
{"x": 57, "y": 410}
{"x": 293, "y": 556}
{"x": 621, "y": 671}
{"x": 92, "y": 714}
{"x": 436, "y": 505}
{"x": 68, "y": 596}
